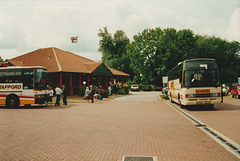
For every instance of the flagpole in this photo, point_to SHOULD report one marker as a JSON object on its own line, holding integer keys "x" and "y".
{"x": 78, "y": 44}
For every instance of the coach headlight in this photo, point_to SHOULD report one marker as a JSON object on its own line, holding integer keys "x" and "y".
{"x": 189, "y": 95}
{"x": 215, "y": 94}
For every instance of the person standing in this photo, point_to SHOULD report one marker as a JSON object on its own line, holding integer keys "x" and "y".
{"x": 87, "y": 94}
{"x": 91, "y": 93}
{"x": 51, "y": 94}
{"x": 58, "y": 92}
{"x": 65, "y": 94}
{"x": 101, "y": 92}
{"x": 109, "y": 90}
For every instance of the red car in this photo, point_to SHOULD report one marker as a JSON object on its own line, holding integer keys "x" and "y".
{"x": 236, "y": 92}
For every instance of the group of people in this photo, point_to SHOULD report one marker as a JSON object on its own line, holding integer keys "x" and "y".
{"x": 92, "y": 94}
{"x": 113, "y": 88}
{"x": 59, "y": 93}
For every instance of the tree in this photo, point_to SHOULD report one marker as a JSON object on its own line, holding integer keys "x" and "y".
{"x": 154, "y": 52}
{"x": 226, "y": 54}
{"x": 113, "y": 49}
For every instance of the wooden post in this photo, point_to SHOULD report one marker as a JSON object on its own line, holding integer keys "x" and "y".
{"x": 70, "y": 80}
{"x": 88, "y": 80}
{"x": 70, "y": 85}
{"x": 106, "y": 82}
{"x": 60, "y": 79}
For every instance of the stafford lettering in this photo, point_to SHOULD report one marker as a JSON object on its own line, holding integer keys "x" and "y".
{"x": 10, "y": 87}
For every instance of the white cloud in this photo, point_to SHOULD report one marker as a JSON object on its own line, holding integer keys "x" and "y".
{"x": 28, "y": 25}
{"x": 234, "y": 25}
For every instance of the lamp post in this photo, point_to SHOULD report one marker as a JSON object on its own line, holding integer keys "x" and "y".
{"x": 84, "y": 83}
{"x": 141, "y": 82}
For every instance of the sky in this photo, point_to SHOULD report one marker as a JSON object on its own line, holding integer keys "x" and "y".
{"x": 28, "y": 25}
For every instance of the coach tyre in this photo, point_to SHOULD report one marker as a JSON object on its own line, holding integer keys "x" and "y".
{"x": 12, "y": 101}
{"x": 180, "y": 103}
{"x": 171, "y": 98}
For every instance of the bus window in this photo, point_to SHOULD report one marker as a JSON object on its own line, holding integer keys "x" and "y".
{"x": 13, "y": 76}
{"x": 201, "y": 78}
{"x": 27, "y": 79}
{"x": 41, "y": 79}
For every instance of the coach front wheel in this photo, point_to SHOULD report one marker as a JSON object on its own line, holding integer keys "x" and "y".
{"x": 210, "y": 107}
{"x": 181, "y": 105}
{"x": 12, "y": 101}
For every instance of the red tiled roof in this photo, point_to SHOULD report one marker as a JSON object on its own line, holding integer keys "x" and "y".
{"x": 117, "y": 72}
{"x": 57, "y": 60}
{"x": 92, "y": 66}
{"x": 16, "y": 63}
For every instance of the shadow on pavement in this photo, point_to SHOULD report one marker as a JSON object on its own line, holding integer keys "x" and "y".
{"x": 217, "y": 107}
{"x": 51, "y": 106}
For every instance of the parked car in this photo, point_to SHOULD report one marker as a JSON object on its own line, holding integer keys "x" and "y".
{"x": 158, "y": 88}
{"x": 236, "y": 92}
{"x": 225, "y": 89}
{"x": 147, "y": 88}
{"x": 165, "y": 90}
{"x": 134, "y": 87}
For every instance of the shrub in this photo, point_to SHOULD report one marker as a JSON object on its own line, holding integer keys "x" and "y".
{"x": 121, "y": 91}
{"x": 164, "y": 96}
{"x": 105, "y": 93}
{"x": 152, "y": 87}
{"x": 126, "y": 90}
{"x": 81, "y": 91}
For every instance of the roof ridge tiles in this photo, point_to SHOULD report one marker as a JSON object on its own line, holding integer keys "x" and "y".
{"x": 57, "y": 61}
{"x": 74, "y": 54}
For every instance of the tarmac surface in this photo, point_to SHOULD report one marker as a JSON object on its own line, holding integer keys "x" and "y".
{"x": 134, "y": 125}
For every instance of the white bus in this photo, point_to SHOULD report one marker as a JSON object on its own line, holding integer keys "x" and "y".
{"x": 23, "y": 86}
{"x": 195, "y": 82}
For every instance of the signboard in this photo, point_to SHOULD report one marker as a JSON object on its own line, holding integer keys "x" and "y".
{"x": 203, "y": 91}
{"x": 239, "y": 81}
{"x": 165, "y": 81}
{"x": 102, "y": 70}
{"x": 11, "y": 86}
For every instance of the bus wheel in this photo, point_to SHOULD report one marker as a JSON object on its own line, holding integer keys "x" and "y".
{"x": 182, "y": 106}
{"x": 12, "y": 101}
{"x": 210, "y": 107}
{"x": 171, "y": 98}
{"x": 232, "y": 95}
{"x": 180, "y": 103}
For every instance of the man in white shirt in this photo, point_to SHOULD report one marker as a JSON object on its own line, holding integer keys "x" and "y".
{"x": 58, "y": 92}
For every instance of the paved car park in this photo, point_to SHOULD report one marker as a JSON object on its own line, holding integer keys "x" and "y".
{"x": 105, "y": 131}
{"x": 224, "y": 118}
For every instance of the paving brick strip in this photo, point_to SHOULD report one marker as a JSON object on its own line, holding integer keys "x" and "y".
{"x": 104, "y": 131}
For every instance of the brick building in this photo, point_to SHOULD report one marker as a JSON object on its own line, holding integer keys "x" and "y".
{"x": 70, "y": 69}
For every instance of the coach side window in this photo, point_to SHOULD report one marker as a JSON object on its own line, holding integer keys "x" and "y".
{"x": 27, "y": 79}
{"x": 10, "y": 76}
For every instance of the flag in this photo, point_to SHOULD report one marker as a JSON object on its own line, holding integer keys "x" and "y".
{"x": 74, "y": 39}
{"x": 5, "y": 64}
